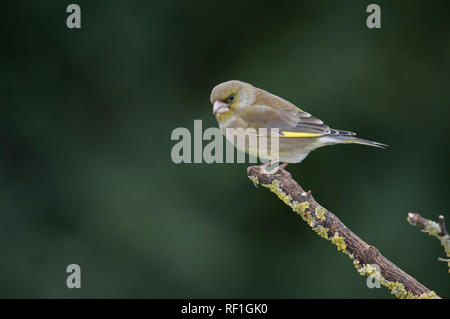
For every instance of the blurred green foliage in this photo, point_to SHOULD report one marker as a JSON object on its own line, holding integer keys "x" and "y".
{"x": 85, "y": 170}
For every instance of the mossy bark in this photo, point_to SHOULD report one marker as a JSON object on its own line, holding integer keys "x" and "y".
{"x": 328, "y": 226}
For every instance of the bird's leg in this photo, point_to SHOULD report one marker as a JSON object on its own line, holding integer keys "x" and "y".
{"x": 280, "y": 168}
{"x": 275, "y": 169}
{"x": 264, "y": 166}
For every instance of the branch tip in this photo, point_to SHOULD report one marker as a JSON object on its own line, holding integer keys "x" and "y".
{"x": 435, "y": 229}
{"x": 443, "y": 229}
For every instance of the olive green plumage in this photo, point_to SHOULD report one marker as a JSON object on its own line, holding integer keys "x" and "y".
{"x": 238, "y": 104}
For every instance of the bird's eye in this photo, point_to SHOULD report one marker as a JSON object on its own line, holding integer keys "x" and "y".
{"x": 230, "y": 98}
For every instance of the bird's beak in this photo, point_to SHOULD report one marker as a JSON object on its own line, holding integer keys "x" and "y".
{"x": 220, "y": 107}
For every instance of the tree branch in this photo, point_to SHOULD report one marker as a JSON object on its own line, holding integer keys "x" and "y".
{"x": 366, "y": 258}
{"x": 434, "y": 229}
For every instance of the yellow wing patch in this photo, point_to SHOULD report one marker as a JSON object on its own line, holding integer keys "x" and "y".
{"x": 299, "y": 134}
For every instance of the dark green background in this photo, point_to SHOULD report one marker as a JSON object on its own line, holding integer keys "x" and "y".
{"x": 86, "y": 175}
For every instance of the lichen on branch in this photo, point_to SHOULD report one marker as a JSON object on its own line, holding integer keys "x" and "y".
{"x": 435, "y": 229}
{"x": 366, "y": 258}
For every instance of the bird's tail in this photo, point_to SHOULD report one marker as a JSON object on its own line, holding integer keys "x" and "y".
{"x": 345, "y": 137}
{"x": 355, "y": 140}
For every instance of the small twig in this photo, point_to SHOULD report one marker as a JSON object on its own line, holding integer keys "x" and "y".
{"x": 434, "y": 229}
{"x": 442, "y": 227}
{"x": 366, "y": 258}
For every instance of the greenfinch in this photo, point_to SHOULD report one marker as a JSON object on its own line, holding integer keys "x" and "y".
{"x": 240, "y": 105}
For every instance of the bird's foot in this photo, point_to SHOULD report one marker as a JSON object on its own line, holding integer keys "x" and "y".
{"x": 263, "y": 167}
{"x": 280, "y": 168}
{"x": 274, "y": 170}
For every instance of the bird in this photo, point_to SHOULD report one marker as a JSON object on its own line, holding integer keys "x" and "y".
{"x": 240, "y": 105}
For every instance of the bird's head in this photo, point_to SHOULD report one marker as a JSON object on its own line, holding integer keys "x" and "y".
{"x": 230, "y": 98}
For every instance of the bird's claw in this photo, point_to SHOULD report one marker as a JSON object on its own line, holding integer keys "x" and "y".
{"x": 273, "y": 171}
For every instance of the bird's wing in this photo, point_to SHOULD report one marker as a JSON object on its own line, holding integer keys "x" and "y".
{"x": 270, "y": 111}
